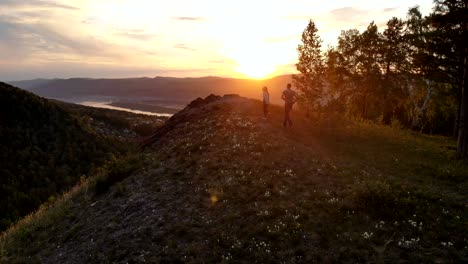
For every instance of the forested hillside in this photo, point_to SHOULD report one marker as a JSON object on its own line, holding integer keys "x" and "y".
{"x": 43, "y": 151}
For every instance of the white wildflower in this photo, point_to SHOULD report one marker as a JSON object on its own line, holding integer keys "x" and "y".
{"x": 366, "y": 235}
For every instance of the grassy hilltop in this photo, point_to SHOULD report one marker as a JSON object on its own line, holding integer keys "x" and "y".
{"x": 218, "y": 183}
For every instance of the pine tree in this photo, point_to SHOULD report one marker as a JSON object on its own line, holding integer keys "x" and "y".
{"x": 450, "y": 18}
{"x": 393, "y": 62}
{"x": 311, "y": 66}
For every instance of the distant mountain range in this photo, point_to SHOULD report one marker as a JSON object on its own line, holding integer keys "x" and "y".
{"x": 168, "y": 88}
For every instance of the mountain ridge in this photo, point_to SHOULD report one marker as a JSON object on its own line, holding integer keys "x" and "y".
{"x": 185, "y": 89}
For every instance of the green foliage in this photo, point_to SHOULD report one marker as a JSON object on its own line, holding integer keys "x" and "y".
{"x": 44, "y": 150}
{"x": 144, "y": 129}
{"x": 376, "y": 197}
{"x": 311, "y": 67}
{"x": 411, "y": 71}
{"x": 142, "y": 125}
{"x": 118, "y": 169}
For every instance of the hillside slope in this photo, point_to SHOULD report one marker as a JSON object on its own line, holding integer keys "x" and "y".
{"x": 43, "y": 151}
{"x": 222, "y": 184}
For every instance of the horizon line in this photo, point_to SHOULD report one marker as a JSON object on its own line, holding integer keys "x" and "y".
{"x": 143, "y": 77}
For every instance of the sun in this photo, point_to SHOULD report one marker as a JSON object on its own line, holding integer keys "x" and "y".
{"x": 255, "y": 69}
{"x": 255, "y": 63}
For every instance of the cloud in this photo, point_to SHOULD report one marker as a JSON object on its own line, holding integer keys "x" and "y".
{"x": 183, "y": 46}
{"x": 390, "y": 9}
{"x": 348, "y": 13}
{"x": 28, "y": 40}
{"x": 35, "y": 3}
{"x": 135, "y": 34}
{"x": 184, "y": 18}
{"x": 65, "y": 69}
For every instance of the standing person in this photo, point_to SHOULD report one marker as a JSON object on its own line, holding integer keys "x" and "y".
{"x": 266, "y": 101}
{"x": 289, "y": 96}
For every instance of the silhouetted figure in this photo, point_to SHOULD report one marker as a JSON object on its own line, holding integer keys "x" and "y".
{"x": 266, "y": 101}
{"x": 289, "y": 96}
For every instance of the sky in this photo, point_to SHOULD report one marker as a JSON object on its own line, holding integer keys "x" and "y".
{"x": 178, "y": 38}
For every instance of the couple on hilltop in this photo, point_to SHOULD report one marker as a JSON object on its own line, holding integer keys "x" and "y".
{"x": 289, "y": 97}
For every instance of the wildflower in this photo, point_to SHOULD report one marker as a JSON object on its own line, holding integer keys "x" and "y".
{"x": 288, "y": 172}
{"x": 366, "y": 235}
{"x": 413, "y": 223}
{"x": 408, "y": 243}
{"x": 380, "y": 224}
{"x": 446, "y": 244}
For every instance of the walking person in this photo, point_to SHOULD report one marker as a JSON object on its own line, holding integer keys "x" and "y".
{"x": 266, "y": 101}
{"x": 289, "y": 96}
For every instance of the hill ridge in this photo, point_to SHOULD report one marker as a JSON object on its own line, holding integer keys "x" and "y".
{"x": 219, "y": 183}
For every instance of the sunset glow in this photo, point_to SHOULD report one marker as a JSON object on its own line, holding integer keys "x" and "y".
{"x": 108, "y": 38}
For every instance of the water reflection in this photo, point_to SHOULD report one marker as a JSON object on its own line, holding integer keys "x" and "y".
{"x": 104, "y": 102}
{"x": 107, "y": 106}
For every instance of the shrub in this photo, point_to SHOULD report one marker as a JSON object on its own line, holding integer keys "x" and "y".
{"x": 118, "y": 170}
{"x": 375, "y": 197}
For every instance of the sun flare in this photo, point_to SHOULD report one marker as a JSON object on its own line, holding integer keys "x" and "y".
{"x": 255, "y": 70}
{"x": 255, "y": 63}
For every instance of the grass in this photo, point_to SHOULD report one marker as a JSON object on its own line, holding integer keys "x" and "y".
{"x": 364, "y": 192}
{"x": 48, "y": 214}
{"x": 33, "y": 226}
{"x": 229, "y": 187}
{"x": 118, "y": 170}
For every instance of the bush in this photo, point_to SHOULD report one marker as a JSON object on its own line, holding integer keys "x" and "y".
{"x": 375, "y": 197}
{"x": 144, "y": 129}
{"x": 119, "y": 170}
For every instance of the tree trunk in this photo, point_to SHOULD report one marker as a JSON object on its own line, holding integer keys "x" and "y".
{"x": 462, "y": 144}
{"x": 457, "y": 113}
{"x": 364, "y": 107}
{"x": 420, "y": 110}
{"x": 387, "y": 109}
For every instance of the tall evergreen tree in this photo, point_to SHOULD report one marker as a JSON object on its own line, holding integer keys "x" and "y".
{"x": 311, "y": 66}
{"x": 393, "y": 64}
{"x": 450, "y": 18}
{"x": 422, "y": 66}
{"x": 368, "y": 67}
{"x": 342, "y": 65}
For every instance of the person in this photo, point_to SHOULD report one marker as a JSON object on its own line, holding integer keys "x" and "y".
{"x": 266, "y": 101}
{"x": 289, "y": 96}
